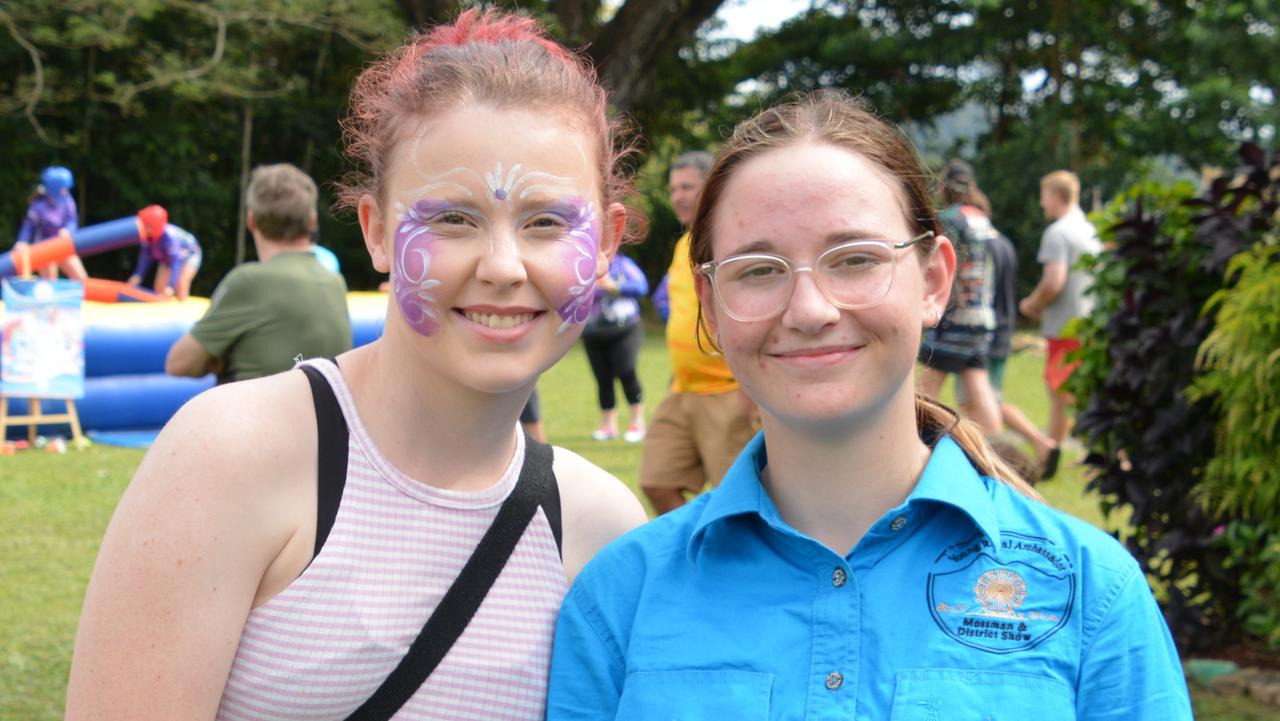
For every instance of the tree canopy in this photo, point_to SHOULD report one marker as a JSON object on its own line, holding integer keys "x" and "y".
{"x": 159, "y": 100}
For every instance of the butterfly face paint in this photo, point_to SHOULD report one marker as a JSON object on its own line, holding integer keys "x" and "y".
{"x": 504, "y": 186}
{"x": 561, "y": 264}
{"x": 580, "y": 248}
{"x": 412, "y": 281}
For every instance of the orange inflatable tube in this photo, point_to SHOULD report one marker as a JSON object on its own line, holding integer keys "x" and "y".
{"x": 113, "y": 291}
{"x": 38, "y": 255}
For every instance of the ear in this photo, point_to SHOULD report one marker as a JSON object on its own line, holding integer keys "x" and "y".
{"x": 249, "y": 222}
{"x": 374, "y": 229}
{"x": 615, "y": 222}
{"x": 939, "y": 271}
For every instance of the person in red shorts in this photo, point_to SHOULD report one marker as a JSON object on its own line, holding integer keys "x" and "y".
{"x": 1062, "y": 291}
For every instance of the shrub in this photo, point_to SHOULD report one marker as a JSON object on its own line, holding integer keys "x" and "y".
{"x": 1150, "y": 439}
{"x": 1241, "y": 370}
{"x": 1254, "y": 553}
{"x": 1240, "y": 361}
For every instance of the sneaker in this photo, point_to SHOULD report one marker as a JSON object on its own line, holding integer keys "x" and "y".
{"x": 603, "y": 434}
{"x": 634, "y": 434}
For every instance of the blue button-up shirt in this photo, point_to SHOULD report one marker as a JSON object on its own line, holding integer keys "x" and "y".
{"x": 968, "y": 601}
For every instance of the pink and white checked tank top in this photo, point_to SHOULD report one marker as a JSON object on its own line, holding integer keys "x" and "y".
{"x": 325, "y": 643}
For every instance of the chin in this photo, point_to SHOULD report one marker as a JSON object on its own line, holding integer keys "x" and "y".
{"x": 501, "y": 381}
{"x": 824, "y": 411}
{"x": 507, "y": 372}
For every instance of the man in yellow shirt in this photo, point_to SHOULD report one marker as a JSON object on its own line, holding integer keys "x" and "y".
{"x": 704, "y": 421}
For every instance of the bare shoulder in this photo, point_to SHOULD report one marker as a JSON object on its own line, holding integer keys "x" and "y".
{"x": 239, "y": 458}
{"x": 233, "y": 464}
{"x": 256, "y": 416}
{"x": 597, "y": 508}
{"x": 200, "y": 528}
{"x": 240, "y": 424}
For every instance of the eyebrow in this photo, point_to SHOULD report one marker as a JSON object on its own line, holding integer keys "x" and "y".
{"x": 428, "y": 206}
{"x": 568, "y": 204}
{"x": 765, "y": 245}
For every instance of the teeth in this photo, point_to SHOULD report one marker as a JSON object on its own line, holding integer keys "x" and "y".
{"x": 498, "y": 321}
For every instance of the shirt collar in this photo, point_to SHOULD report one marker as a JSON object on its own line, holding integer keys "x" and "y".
{"x": 739, "y": 493}
{"x": 949, "y": 478}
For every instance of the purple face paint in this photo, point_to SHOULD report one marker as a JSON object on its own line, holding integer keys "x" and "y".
{"x": 500, "y": 184}
{"x": 581, "y": 247}
{"x": 411, "y": 274}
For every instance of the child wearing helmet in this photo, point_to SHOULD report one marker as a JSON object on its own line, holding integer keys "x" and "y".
{"x": 52, "y": 212}
{"x": 174, "y": 251}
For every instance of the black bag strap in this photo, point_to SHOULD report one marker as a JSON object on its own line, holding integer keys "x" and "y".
{"x": 464, "y": 597}
{"x": 332, "y": 437}
{"x": 551, "y": 509}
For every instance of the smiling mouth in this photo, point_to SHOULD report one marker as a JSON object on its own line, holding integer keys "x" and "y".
{"x": 811, "y": 352}
{"x": 496, "y": 320}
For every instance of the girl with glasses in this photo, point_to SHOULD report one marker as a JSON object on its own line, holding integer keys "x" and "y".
{"x": 286, "y": 539}
{"x": 868, "y": 556}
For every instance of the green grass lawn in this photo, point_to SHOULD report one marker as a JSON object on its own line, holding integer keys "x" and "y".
{"x": 55, "y": 508}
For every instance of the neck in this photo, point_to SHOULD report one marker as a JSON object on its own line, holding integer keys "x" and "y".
{"x": 435, "y": 431}
{"x": 268, "y": 248}
{"x": 833, "y": 486}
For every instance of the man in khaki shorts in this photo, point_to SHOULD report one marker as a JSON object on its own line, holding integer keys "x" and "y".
{"x": 702, "y": 424}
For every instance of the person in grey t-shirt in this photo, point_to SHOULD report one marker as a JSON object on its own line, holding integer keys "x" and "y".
{"x": 1062, "y": 292}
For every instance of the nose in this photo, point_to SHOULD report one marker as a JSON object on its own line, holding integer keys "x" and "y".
{"x": 808, "y": 310}
{"x": 500, "y": 263}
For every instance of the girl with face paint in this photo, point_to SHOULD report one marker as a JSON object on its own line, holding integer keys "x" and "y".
{"x": 319, "y": 516}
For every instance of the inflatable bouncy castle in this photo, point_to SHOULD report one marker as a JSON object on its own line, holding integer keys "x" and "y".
{"x": 125, "y": 344}
{"x": 127, "y": 335}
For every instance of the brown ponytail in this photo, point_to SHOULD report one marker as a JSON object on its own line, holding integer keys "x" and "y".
{"x": 934, "y": 420}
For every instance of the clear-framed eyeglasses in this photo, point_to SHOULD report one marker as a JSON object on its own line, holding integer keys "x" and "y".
{"x": 852, "y": 276}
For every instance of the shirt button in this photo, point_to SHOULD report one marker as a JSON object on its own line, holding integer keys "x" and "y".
{"x": 898, "y": 523}
{"x": 838, "y": 577}
{"x": 834, "y": 681}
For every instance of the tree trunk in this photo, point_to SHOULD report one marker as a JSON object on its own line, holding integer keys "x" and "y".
{"x": 245, "y": 147}
{"x": 576, "y": 18}
{"x": 86, "y": 144}
{"x": 628, "y": 49}
{"x": 309, "y": 153}
{"x": 421, "y": 13}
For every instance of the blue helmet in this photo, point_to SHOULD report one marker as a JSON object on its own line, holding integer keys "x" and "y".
{"x": 56, "y": 179}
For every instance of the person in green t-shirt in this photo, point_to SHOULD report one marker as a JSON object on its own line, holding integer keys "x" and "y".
{"x": 287, "y": 305}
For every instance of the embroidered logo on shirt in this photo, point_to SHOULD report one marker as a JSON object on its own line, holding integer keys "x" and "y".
{"x": 1000, "y": 591}
{"x": 1005, "y": 600}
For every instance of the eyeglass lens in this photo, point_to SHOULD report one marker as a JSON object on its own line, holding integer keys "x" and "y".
{"x": 852, "y": 276}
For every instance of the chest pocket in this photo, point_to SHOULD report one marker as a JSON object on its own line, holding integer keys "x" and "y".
{"x": 695, "y": 694}
{"x": 948, "y": 694}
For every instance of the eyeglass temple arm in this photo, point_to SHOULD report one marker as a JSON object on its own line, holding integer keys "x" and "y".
{"x": 908, "y": 243}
